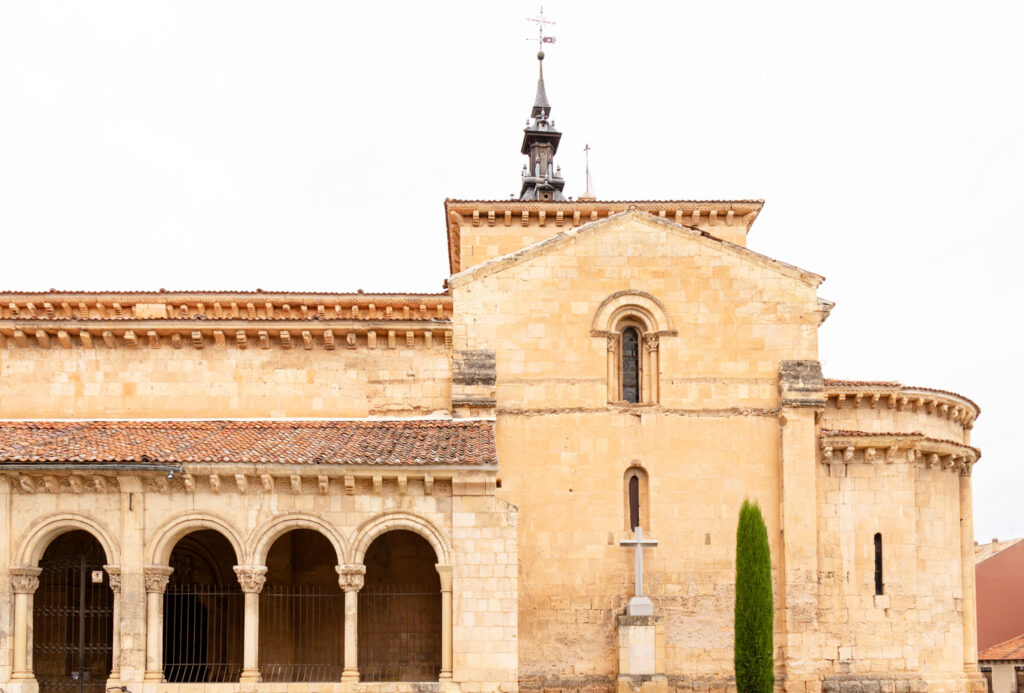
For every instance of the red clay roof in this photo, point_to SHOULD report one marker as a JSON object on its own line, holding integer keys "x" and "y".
{"x": 1011, "y": 649}
{"x": 364, "y": 442}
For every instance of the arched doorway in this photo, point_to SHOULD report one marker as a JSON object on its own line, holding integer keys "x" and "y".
{"x": 203, "y": 612}
{"x": 72, "y": 617}
{"x": 400, "y": 610}
{"x": 301, "y": 611}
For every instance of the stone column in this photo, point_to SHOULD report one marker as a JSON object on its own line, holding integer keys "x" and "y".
{"x": 350, "y": 579}
{"x": 613, "y": 369}
{"x": 156, "y": 577}
{"x": 114, "y": 574}
{"x": 252, "y": 579}
{"x": 970, "y": 609}
{"x": 445, "y": 571}
{"x": 24, "y": 582}
{"x": 651, "y": 343}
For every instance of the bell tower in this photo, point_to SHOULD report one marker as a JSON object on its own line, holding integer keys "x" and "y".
{"x": 542, "y": 179}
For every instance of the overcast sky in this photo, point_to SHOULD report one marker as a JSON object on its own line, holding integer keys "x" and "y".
{"x": 310, "y": 145}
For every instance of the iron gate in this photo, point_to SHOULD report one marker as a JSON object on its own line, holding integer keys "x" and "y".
{"x": 72, "y": 625}
{"x": 399, "y": 633}
{"x": 203, "y": 632}
{"x": 301, "y": 633}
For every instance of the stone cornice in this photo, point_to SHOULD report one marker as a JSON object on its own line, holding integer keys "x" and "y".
{"x": 844, "y": 447}
{"x": 946, "y": 405}
{"x": 388, "y": 333}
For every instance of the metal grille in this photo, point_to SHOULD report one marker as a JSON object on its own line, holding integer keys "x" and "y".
{"x": 631, "y": 365}
{"x": 72, "y": 626}
{"x": 301, "y": 629}
{"x": 203, "y": 633}
{"x": 399, "y": 633}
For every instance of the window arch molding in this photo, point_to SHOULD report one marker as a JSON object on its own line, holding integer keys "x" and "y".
{"x": 634, "y": 360}
{"x": 636, "y": 497}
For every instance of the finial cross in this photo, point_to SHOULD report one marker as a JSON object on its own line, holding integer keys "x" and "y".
{"x": 638, "y": 543}
{"x": 540, "y": 21}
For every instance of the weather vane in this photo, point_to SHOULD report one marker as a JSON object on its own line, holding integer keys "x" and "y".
{"x": 540, "y": 21}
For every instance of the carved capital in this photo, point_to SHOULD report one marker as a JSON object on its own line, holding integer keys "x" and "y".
{"x": 651, "y": 342}
{"x": 114, "y": 573}
{"x": 613, "y": 343}
{"x": 251, "y": 577}
{"x": 25, "y": 580}
{"x": 351, "y": 576}
{"x": 156, "y": 577}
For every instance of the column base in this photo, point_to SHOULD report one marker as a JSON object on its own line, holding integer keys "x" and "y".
{"x": 22, "y": 676}
{"x": 350, "y": 675}
{"x": 153, "y": 677}
{"x": 249, "y": 676}
{"x": 445, "y": 676}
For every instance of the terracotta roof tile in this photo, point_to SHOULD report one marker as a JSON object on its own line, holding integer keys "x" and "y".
{"x": 1011, "y": 649}
{"x": 832, "y": 382}
{"x": 363, "y": 442}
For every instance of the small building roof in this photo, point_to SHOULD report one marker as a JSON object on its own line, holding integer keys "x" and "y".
{"x": 415, "y": 442}
{"x": 1010, "y": 649}
{"x": 985, "y": 551}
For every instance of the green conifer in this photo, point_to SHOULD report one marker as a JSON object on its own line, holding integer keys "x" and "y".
{"x": 754, "y": 615}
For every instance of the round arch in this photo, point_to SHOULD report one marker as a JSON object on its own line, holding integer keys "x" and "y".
{"x": 398, "y": 519}
{"x": 636, "y": 304}
{"x": 263, "y": 537}
{"x": 158, "y": 552}
{"x": 45, "y": 531}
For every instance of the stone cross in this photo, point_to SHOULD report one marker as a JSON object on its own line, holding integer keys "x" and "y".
{"x": 639, "y": 605}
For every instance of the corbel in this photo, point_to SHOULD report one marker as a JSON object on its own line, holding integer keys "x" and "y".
{"x": 378, "y": 484}
{"x": 391, "y": 339}
{"x": 183, "y": 311}
{"x": 241, "y": 340}
{"x": 251, "y": 310}
{"x": 428, "y": 339}
{"x": 13, "y": 307}
{"x": 20, "y": 339}
{"x": 31, "y": 308}
{"x": 201, "y": 309}
{"x": 83, "y": 310}
{"x": 661, "y": 214}
{"x": 268, "y": 482}
{"x": 307, "y": 339}
{"x": 856, "y": 400}
{"x": 954, "y": 413}
{"x": 903, "y": 402}
{"x": 85, "y": 338}
{"x": 840, "y": 400}
{"x": 890, "y": 454}
{"x": 264, "y": 339}
{"x": 948, "y": 461}
{"x": 130, "y": 339}
{"x": 218, "y": 312}
{"x": 99, "y": 484}
{"x": 892, "y": 401}
{"x": 27, "y": 484}
{"x": 176, "y": 340}
{"x": 371, "y": 339}
{"x": 388, "y": 313}
{"x": 440, "y": 311}
{"x": 729, "y": 217}
{"x": 321, "y": 311}
{"x": 525, "y": 218}
{"x": 508, "y": 217}
{"x": 428, "y": 485}
{"x": 286, "y": 339}
{"x": 75, "y": 482}
{"x": 869, "y": 455}
{"x": 423, "y": 312}
{"x": 410, "y": 339}
{"x": 51, "y": 484}
{"x": 108, "y": 339}
{"x": 576, "y": 218}
{"x": 371, "y": 311}
{"x": 270, "y": 310}
{"x": 43, "y": 339}
{"x": 350, "y": 485}
{"x": 826, "y": 452}
{"x": 932, "y": 461}
{"x": 407, "y": 312}
{"x": 296, "y": 482}
{"x": 695, "y": 217}
{"x": 749, "y": 218}
{"x": 355, "y": 312}
{"x": 874, "y": 400}
{"x": 215, "y": 483}
{"x": 234, "y": 309}
{"x": 542, "y": 217}
{"x": 241, "y": 483}
{"x": 490, "y": 218}
{"x": 197, "y": 339}
{"x": 559, "y": 218}
{"x": 350, "y": 340}
{"x": 403, "y": 484}
{"x": 679, "y": 216}
{"x": 66, "y": 307}
{"x": 48, "y": 309}
{"x": 712, "y": 217}
{"x": 848, "y": 453}
{"x": 323, "y": 484}
{"x": 286, "y": 311}
{"x": 189, "y": 481}
{"x": 154, "y": 339}
{"x": 218, "y": 339}
{"x": 593, "y": 215}
{"x": 101, "y": 310}
{"x": 64, "y": 339}
{"x": 943, "y": 410}
{"x": 476, "y": 217}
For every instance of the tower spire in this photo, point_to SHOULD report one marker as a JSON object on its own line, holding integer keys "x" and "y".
{"x": 542, "y": 180}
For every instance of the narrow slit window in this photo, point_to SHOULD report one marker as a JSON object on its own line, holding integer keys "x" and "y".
{"x": 631, "y": 365}
{"x": 634, "y": 502}
{"x": 879, "y": 584}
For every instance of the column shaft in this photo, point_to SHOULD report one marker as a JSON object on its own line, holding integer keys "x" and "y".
{"x": 250, "y": 651}
{"x": 445, "y": 572}
{"x": 156, "y": 583}
{"x": 970, "y": 613}
{"x": 24, "y": 582}
{"x": 351, "y": 671}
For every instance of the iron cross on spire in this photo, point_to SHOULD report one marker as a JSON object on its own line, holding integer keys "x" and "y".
{"x": 540, "y": 21}
{"x": 639, "y": 605}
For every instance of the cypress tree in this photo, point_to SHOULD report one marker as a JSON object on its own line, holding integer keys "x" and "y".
{"x": 754, "y": 615}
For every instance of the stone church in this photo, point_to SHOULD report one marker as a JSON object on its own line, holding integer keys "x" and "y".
{"x": 208, "y": 492}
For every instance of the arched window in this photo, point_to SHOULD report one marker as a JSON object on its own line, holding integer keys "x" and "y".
{"x": 879, "y": 584}
{"x": 630, "y": 367}
{"x": 635, "y": 496}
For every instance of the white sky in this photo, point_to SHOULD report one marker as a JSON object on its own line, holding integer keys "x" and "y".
{"x": 310, "y": 145}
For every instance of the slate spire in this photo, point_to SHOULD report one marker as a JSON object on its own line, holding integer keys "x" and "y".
{"x": 542, "y": 179}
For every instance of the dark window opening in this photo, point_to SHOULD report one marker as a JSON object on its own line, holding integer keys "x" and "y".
{"x": 879, "y": 586}
{"x": 631, "y": 365}
{"x": 634, "y": 502}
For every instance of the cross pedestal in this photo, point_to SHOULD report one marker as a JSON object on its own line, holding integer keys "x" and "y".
{"x": 639, "y": 605}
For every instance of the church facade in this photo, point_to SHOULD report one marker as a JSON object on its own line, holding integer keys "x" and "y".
{"x": 297, "y": 492}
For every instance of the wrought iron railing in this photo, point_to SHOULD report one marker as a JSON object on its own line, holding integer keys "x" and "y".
{"x": 399, "y": 633}
{"x": 203, "y": 633}
{"x": 301, "y": 629}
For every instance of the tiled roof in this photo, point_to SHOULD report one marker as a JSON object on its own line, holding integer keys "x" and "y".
{"x": 984, "y": 551}
{"x": 1011, "y": 649}
{"x": 832, "y": 382}
{"x": 359, "y": 442}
